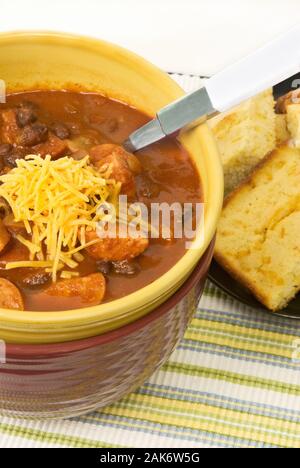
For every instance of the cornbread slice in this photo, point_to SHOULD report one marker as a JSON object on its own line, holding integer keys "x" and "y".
{"x": 245, "y": 135}
{"x": 293, "y": 122}
{"x": 258, "y": 234}
{"x": 282, "y": 133}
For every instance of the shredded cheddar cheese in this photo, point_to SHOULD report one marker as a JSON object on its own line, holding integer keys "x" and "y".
{"x": 56, "y": 201}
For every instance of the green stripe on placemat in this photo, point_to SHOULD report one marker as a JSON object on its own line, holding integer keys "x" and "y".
{"x": 51, "y": 438}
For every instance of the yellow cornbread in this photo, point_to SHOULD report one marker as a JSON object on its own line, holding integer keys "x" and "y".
{"x": 258, "y": 233}
{"x": 245, "y": 135}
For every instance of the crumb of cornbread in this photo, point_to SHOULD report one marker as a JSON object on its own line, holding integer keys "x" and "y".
{"x": 293, "y": 122}
{"x": 258, "y": 233}
{"x": 245, "y": 135}
{"x": 282, "y": 132}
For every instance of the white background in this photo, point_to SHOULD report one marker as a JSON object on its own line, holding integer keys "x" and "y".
{"x": 192, "y": 36}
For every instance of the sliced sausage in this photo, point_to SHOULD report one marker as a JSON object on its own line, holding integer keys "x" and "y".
{"x": 10, "y": 131}
{"x": 53, "y": 146}
{"x": 118, "y": 249}
{"x": 100, "y": 152}
{"x": 119, "y": 164}
{"x": 10, "y": 296}
{"x": 91, "y": 288}
{"x": 118, "y": 169}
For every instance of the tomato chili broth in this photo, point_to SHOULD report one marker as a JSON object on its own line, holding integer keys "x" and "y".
{"x": 168, "y": 175}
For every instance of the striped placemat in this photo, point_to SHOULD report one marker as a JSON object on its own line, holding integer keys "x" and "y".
{"x": 234, "y": 381}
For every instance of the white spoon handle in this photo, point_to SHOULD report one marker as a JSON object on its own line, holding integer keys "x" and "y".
{"x": 266, "y": 67}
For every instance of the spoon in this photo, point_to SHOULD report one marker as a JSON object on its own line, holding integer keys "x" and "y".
{"x": 277, "y": 61}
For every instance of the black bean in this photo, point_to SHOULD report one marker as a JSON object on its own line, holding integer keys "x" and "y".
{"x": 16, "y": 153}
{"x": 103, "y": 267}
{"x": 5, "y": 149}
{"x": 10, "y": 160}
{"x": 126, "y": 267}
{"x": 36, "y": 279}
{"x": 33, "y": 134}
{"x": 25, "y": 115}
{"x": 61, "y": 130}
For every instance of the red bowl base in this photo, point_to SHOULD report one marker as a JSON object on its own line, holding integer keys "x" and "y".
{"x": 69, "y": 379}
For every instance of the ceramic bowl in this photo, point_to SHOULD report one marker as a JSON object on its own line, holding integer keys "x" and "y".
{"x": 62, "y": 364}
